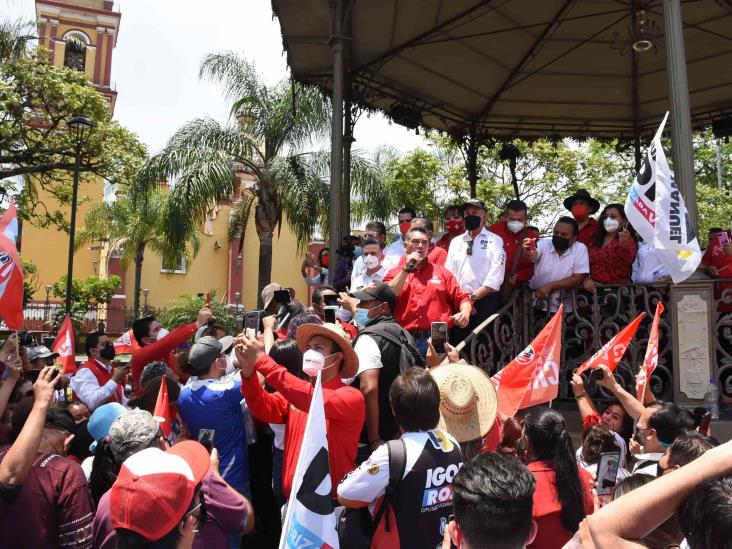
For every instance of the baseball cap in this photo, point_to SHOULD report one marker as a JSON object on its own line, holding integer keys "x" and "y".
{"x": 268, "y": 293}
{"x": 101, "y": 420}
{"x": 378, "y": 291}
{"x": 40, "y": 351}
{"x": 131, "y": 431}
{"x": 154, "y": 489}
{"x": 204, "y": 352}
{"x": 61, "y": 419}
{"x": 477, "y": 203}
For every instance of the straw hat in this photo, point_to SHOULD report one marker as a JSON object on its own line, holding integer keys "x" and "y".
{"x": 468, "y": 401}
{"x": 336, "y": 334}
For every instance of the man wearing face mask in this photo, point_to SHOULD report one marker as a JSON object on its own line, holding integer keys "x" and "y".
{"x": 98, "y": 381}
{"x": 582, "y": 206}
{"x": 212, "y": 400}
{"x": 477, "y": 260}
{"x": 378, "y": 346}
{"x": 392, "y": 253}
{"x": 373, "y": 255}
{"x": 326, "y": 349}
{"x": 560, "y": 263}
{"x": 454, "y": 226}
{"x": 513, "y": 230}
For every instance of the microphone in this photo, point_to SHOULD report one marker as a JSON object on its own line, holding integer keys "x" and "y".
{"x": 411, "y": 264}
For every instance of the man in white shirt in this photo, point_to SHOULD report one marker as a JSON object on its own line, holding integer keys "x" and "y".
{"x": 98, "y": 381}
{"x": 393, "y": 252}
{"x": 561, "y": 264}
{"x": 477, "y": 260}
{"x": 372, "y": 257}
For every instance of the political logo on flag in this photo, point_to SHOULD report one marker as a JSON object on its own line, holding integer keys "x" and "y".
{"x": 651, "y": 359}
{"x": 533, "y": 376}
{"x": 126, "y": 343}
{"x": 612, "y": 352}
{"x": 65, "y": 347}
{"x": 11, "y": 271}
{"x": 656, "y": 209}
{"x": 310, "y": 520}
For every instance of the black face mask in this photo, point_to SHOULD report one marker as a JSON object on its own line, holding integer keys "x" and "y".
{"x": 560, "y": 243}
{"x": 107, "y": 352}
{"x": 472, "y": 222}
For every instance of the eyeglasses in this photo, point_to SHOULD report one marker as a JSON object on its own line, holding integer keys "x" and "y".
{"x": 469, "y": 250}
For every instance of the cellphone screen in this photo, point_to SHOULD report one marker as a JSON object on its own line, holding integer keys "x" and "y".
{"x": 252, "y": 321}
{"x": 330, "y": 314}
{"x": 282, "y": 296}
{"x": 607, "y": 472}
{"x": 439, "y": 336}
{"x": 206, "y": 438}
{"x": 331, "y": 300}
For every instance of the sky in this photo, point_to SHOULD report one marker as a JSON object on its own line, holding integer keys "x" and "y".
{"x": 159, "y": 50}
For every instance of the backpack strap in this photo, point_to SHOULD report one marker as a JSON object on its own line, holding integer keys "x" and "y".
{"x": 397, "y": 464}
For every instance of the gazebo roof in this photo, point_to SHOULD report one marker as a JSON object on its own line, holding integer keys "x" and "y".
{"x": 509, "y": 68}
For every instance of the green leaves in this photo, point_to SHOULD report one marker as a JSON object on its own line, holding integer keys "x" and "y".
{"x": 185, "y": 309}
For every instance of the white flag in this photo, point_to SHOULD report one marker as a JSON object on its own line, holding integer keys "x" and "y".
{"x": 311, "y": 520}
{"x": 656, "y": 210}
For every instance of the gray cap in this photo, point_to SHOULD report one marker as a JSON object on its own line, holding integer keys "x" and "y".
{"x": 40, "y": 351}
{"x": 132, "y": 432}
{"x": 153, "y": 370}
{"x": 203, "y": 353}
{"x": 268, "y": 293}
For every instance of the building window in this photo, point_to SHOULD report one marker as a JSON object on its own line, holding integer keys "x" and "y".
{"x": 178, "y": 268}
{"x": 75, "y": 54}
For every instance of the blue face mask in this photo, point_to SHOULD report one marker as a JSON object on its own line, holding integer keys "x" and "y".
{"x": 362, "y": 316}
{"x": 357, "y": 251}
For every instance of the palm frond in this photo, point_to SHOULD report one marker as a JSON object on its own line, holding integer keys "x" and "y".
{"x": 14, "y": 39}
{"x": 239, "y": 216}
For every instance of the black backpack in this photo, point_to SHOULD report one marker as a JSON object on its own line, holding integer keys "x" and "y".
{"x": 391, "y": 331}
{"x": 356, "y": 527}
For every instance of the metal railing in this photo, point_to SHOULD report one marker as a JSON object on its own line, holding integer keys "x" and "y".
{"x": 45, "y": 317}
{"x": 594, "y": 319}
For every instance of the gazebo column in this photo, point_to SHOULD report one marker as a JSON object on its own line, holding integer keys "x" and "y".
{"x": 678, "y": 91}
{"x": 471, "y": 161}
{"x": 336, "y": 137}
{"x": 347, "y": 142}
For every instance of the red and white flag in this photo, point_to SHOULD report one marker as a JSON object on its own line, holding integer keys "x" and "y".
{"x": 612, "y": 352}
{"x": 310, "y": 519}
{"x": 11, "y": 271}
{"x": 533, "y": 376}
{"x": 64, "y": 346}
{"x": 651, "y": 360}
{"x": 126, "y": 343}
{"x": 162, "y": 409}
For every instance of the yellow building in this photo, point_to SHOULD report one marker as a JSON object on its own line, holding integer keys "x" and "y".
{"x": 82, "y": 34}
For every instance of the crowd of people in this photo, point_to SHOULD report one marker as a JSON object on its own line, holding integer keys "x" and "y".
{"x": 418, "y": 453}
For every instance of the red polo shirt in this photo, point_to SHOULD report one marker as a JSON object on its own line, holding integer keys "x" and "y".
{"x": 436, "y": 255}
{"x": 345, "y": 413}
{"x": 431, "y": 294}
{"x": 511, "y": 242}
{"x": 551, "y": 532}
{"x": 588, "y": 231}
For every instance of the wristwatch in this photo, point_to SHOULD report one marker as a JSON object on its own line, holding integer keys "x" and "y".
{"x": 474, "y": 298}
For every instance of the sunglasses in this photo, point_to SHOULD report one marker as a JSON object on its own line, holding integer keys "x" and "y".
{"x": 469, "y": 251}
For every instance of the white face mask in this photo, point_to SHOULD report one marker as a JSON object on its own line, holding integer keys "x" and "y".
{"x": 611, "y": 225}
{"x": 515, "y": 226}
{"x": 370, "y": 261}
{"x": 314, "y": 362}
{"x": 162, "y": 332}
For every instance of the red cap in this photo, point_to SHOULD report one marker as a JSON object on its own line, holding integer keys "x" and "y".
{"x": 154, "y": 489}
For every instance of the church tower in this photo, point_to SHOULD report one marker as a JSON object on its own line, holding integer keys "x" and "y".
{"x": 81, "y": 35}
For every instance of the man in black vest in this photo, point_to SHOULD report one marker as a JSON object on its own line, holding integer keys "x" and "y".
{"x": 378, "y": 346}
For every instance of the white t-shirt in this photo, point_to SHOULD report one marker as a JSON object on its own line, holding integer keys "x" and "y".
{"x": 368, "y": 352}
{"x": 551, "y": 267}
{"x": 485, "y": 266}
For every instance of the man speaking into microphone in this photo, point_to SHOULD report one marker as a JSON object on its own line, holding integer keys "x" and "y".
{"x": 426, "y": 292}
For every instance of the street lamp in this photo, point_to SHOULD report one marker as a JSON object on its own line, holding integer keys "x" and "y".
{"x": 145, "y": 292}
{"x": 80, "y": 125}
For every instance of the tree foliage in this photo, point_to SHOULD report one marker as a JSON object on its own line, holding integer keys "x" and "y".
{"x": 36, "y": 101}
{"x": 184, "y": 310}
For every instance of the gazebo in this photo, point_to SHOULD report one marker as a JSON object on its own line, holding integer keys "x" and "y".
{"x": 491, "y": 70}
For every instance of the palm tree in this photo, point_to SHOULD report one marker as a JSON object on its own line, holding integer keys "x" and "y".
{"x": 269, "y": 130}
{"x": 133, "y": 227}
{"x": 14, "y": 39}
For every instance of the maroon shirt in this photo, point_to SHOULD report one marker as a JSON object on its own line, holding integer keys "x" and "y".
{"x": 53, "y": 509}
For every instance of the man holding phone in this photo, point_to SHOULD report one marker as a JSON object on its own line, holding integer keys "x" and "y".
{"x": 326, "y": 297}
{"x": 99, "y": 381}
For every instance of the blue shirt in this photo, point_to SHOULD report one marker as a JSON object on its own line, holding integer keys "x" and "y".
{"x": 216, "y": 404}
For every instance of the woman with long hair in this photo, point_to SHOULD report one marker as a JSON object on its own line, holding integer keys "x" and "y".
{"x": 612, "y": 249}
{"x": 562, "y": 498}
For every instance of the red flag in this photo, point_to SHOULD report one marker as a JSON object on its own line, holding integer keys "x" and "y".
{"x": 11, "y": 271}
{"x": 651, "y": 360}
{"x": 162, "y": 409}
{"x": 126, "y": 343}
{"x": 64, "y": 346}
{"x": 611, "y": 353}
{"x": 533, "y": 376}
